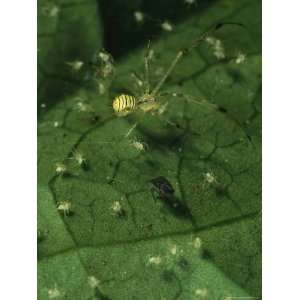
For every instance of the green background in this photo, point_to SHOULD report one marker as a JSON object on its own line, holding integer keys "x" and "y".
{"x": 119, "y": 253}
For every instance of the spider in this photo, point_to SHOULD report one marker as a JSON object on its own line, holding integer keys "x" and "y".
{"x": 147, "y": 100}
{"x": 125, "y": 104}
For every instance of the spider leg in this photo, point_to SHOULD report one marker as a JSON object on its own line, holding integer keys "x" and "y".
{"x": 146, "y": 64}
{"x": 206, "y": 103}
{"x": 184, "y": 51}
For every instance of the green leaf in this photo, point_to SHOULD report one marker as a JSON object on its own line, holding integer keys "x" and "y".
{"x": 118, "y": 241}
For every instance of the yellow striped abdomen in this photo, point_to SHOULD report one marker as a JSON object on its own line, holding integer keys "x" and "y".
{"x": 124, "y": 104}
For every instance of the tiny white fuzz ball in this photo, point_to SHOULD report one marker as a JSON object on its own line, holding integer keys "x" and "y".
{"x": 56, "y": 124}
{"x": 240, "y": 58}
{"x": 93, "y": 282}
{"x": 54, "y": 293}
{"x": 101, "y": 88}
{"x": 75, "y": 65}
{"x": 201, "y": 292}
{"x": 173, "y": 249}
{"x": 155, "y": 260}
{"x": 116, "y": 207}
{"x": 190, "y": 2}
{"x": 139, "y": 16}
{"x": 197, "y": 243}
{"x": 167, "y": 26}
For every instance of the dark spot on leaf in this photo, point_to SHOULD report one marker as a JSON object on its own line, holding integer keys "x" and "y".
{"x": 207, "y": 255}
{"x": 168, "y": 275}
{"x": 183, "y": 263}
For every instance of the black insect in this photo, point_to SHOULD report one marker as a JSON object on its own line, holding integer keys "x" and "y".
{"x": 162, "y": 189}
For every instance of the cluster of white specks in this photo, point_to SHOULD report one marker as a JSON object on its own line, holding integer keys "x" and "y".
{"x": 93, "y": 282}
{"x": 60, "y": 168}
{"x": 139, "y": 16}
{"x": 201, "y": 292}
{"x": 154, "y": 260}
{"x": 75, "y": 65}
{"x": 64, "y": 206}
{"x": 54, "y": 293}
{"x": 217, "y": 45}
{"x": 197, "y": 243}
{"x": 167, "y": 26}
{"x": 56, "y": 124}
{"x": 240, "y": 58}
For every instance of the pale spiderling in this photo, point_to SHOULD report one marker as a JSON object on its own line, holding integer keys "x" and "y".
{"x": 140, "y": 146}
{"x": 60, "y": 168}
{"x": 65, "y": 207}
{"x": 210, "y": 178}
{"x": 78, "y": 156}
{"x": 118, "y": 209}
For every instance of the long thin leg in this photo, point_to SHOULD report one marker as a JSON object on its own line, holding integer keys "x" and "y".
{"x": 206, "y": 103}
{"x": 185, "y": 51}
{"x": 146, "y": 62}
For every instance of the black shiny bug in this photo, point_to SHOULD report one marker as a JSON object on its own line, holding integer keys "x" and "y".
{"x": 162, "y": 189}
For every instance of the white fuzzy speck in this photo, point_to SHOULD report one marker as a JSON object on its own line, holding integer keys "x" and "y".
{"x": 155, "y": 260}
{"x": 167, "y": 26}
{"x": 197, "y": 243}
{"x": 75, "y": 65}
{"x": 139, "y": 16}
{"x": 201, "y": 292}
{"x": 93, "y": 281}
{"x": 240, "y": 58}
{"x": 54, "y": 293}
{"x": 209, "y": 177}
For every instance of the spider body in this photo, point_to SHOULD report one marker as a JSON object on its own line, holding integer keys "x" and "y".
{"x": 125, "y": 104}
